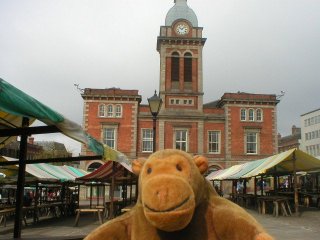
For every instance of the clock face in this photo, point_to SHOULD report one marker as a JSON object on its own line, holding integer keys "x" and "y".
{"x": 182, "y": 29}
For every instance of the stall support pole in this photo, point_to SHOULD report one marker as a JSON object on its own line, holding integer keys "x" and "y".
{"x": 130, "y": 188}
{"x": 112, "y": 210}
{"x": 244, "y": 186}
{"x": 125, "y": 189}
{"x": 255, "y": 186}
{"x": 78, "y": 196}
{"x": 91, "y": 192}
{"x": 36, "y": 203}
{"x": 295, "y": 189}
{"x": 98, "y": 194}
{"x": 21, "y": 181}
{"x": 261, "y": 185}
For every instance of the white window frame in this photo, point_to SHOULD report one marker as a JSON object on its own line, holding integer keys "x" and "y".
{"x": 118, "y": 111}
{"x": 243, "y": 114}
{"x": 215, "y": 141}
{"x": 259, "y": 115}
{"x": 178, "y": 134}
{"x": 101, "y": 110}
{"x": 248, "y": 141}
{"x": 147, "y": 140}
{"x": 109, "y": 110}
{"x": 114, "y": 139}
{"x": 251, "y": 115}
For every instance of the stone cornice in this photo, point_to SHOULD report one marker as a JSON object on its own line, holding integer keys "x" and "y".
{"x": 182, "y": 41}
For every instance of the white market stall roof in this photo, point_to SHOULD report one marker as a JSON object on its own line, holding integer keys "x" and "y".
{"x": 281, "y": 163}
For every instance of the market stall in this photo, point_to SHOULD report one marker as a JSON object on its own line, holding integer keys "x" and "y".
{"x": 290, "y": 163}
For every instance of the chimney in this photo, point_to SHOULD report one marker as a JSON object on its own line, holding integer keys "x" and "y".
{"x": 296, "y": 130}
{"x": 279, "y": 136}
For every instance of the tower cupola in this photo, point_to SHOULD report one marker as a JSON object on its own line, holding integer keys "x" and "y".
{"x": 181, "y": 11}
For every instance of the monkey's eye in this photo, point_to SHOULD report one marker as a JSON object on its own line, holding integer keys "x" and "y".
{"x": 178, "y": 167}
{"x": 149, "y": 170}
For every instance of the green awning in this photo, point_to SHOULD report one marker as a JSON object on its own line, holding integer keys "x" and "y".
{"x": 15, "y": 104}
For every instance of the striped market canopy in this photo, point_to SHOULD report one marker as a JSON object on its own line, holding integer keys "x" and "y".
{"x": 42, "y": 172}
{"x": 106, "y": 172}
{"x": 246, "y": 167}
{"x": 76, "y": 172}
{"x": 223, "y": 174}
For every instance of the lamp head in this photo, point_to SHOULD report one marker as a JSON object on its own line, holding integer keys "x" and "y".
{"x": 155, "y": 103}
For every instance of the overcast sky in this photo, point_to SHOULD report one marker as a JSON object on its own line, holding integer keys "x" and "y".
{"x": 255, "y": 46}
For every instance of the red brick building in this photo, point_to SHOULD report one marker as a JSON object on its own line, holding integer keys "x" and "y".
{"x": 234, "y": 129}
{"x": 291, "y": 141}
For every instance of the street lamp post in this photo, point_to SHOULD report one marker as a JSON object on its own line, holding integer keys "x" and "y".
{"x": 155, "y": 103}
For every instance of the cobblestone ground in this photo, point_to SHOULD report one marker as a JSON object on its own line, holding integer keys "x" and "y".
{"x": 303, "y": 227}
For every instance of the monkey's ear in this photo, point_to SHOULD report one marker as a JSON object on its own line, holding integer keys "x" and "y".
{"x": 201, "y": 162}
{"x": 137, "y": 165}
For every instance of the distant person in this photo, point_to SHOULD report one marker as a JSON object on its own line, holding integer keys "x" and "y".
{"x": 27, "y": 199}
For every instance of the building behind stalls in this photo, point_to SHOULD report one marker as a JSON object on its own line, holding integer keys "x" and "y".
{"x": 310, "y": 132}
{"x": 235, "y": 128}
{"x": 290, "y": 141}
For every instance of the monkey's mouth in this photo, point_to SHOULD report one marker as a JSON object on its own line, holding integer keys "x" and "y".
{"x": 168, "y": 209}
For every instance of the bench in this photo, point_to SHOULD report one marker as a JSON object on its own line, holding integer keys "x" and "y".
{"x": 88, "y": 210}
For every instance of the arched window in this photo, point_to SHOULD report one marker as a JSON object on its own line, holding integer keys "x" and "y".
{"x": 93, "y": 166}
{"x": 188, "y": 67}
{"x": 259, "y": 115}
{"x": 243, "y": 114}
{"x": 251, "y": 114}
{"x": 110, "y": 111}
{"x": 118, "y": 111}
{"x": 175, "y": 67}
{"x": 213, "y": 168}
{"x": 101, "y": 111}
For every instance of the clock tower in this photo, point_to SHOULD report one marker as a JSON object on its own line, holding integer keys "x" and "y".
{"x": 180, "y": 47}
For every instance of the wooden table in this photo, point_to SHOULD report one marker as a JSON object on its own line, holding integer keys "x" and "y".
{"x": 277, "y": 203}
{"x": 245, "y": 200}
{"x": 127, "y": 208}
{"x": 308, "y": 196}
{"x": 88, "y": 210}
{"x": 4, "y": 213}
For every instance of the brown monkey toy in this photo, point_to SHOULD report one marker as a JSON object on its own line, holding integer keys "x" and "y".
{"x": 176, "y": 202}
